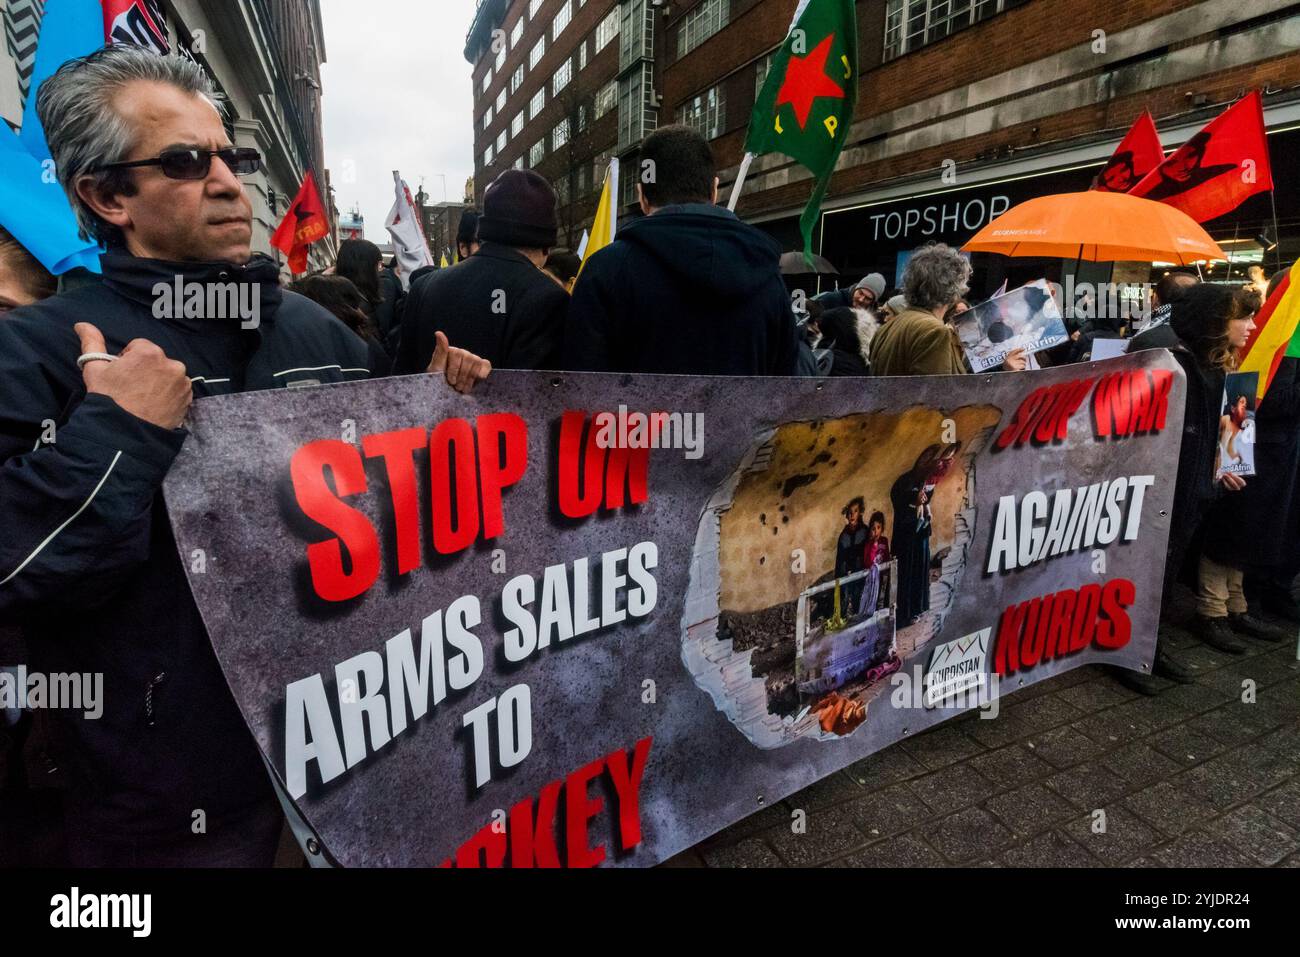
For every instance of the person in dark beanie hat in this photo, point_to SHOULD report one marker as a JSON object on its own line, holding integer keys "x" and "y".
{"x": 688, "y": 289}
{"x": 499, "y": 298}
{"x": 519, "y": 211}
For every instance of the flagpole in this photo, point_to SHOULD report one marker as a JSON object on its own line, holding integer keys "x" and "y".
{"x": 739, "y": 184}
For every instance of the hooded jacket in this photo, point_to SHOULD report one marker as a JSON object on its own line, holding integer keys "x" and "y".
{"x": 88, "y": 564}
{"x": 689, "y": 290}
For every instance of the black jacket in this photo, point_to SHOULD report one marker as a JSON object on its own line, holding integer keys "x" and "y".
{"x": 689, "y": 290}
{"x": 88, "y": 564}
{"x": 496, "y": 304}
{"x": 387, "y": 310}
{"x": 1259, "y": 527}
{"x": 1194, "y": 489}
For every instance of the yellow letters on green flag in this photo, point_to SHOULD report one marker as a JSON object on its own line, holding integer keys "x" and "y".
{"x": 805, "y": 109}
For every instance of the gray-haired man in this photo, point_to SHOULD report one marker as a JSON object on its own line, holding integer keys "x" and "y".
{"x": 169, "y": 775}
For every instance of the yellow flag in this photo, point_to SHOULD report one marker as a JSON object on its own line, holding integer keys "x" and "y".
{"x": 443, "y": 264}
{"x": 606, "y": 224}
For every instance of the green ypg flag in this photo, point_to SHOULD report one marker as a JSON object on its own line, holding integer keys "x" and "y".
{"x": 806, "y": 106}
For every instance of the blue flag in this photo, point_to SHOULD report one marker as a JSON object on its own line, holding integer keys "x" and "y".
{"x": 33, "y": 206}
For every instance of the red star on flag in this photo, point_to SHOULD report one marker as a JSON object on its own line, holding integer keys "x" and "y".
{"x": 806, "y": 80}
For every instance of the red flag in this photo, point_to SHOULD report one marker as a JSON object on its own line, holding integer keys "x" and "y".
{"x": 1138, "y": 154}
{"x": 303, "y": 224}
{"x": 135, "y": 21}
{"x": 1217, "y": 169}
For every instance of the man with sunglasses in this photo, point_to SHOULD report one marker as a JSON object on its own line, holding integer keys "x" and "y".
{"x": 94, "y": 387}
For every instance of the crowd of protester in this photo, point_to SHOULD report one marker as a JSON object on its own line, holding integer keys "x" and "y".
{"x": 687, "y": 288}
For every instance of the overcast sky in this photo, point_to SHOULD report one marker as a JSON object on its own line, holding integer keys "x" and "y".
{"x": 396, "y": 96}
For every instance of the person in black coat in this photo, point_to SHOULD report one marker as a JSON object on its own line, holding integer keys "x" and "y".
{"x": 687, "y": 289}
{"x": 1206, "y": 327}
{"x": 1258, "y": 529}
{"x": 361, "y": 262}
{"x": 94, "y": 388}
{"x": 840, "y": 334}
{"x": 345, "y": 303}
{"x": 498, "y": 303}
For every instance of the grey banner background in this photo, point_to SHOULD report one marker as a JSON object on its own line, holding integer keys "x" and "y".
{"x": 411, "y": 804}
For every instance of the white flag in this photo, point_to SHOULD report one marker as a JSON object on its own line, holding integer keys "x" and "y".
{"x": 403, "y": 225}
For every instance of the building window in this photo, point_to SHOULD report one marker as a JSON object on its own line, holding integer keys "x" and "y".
{"x": 627, "y": 187}
{"x": 761, "y": 70}
{"x": 487, "y": 79}
{"x": 537, "y": 153}
{"x": 519, "y": 162}
{"x": 582, "y": 117}
{"x": 517, "y": 79}
{"x": 582, "y": 180}
{"x": 562, "y": 77}
{"x": 560, "y": 135}
{"x": 537, "y": 52}
{"x": 501, "y": 57}
{"x": 606, "y": 98}
{"x": 502, "y": 140}
{"x": 487, "y": 155}
{"x": 487, "y": 116}
{"x": 636, "y": 114}
{"x": 561, "y": 19}
{"x": 607, "y": 30}
{"x": 533, "y": 7}
{"x": 536, "y": 103}
{"x": 562, "y": 191}
{"x": 636, "y": 36}
{"x": 706, "y": 112}
{"x": 911, "y": 24}
{"x": 517, "y": 124}
{"x": 517, "y": 33}
{"x": 501, "y": 100}
{"x": 582, "y": 54}
{"x": 701, "y": 23}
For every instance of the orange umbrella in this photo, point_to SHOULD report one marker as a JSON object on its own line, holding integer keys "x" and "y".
{"x": 1098, "y": 227}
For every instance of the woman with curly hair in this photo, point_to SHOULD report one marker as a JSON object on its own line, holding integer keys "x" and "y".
{"x": 918, "y": 340}
{"x": 1206, "y": 329}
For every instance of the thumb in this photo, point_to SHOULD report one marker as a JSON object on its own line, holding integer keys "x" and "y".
{"x": 441, "y": 349}
{"x": 92, "y": 340}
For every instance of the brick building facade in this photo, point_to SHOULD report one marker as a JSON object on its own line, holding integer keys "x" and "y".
{"x": 1030, "y": 98}
{"x": 545, "y": 79}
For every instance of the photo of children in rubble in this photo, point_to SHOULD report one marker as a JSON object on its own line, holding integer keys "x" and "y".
{"x": 839, "y": 553}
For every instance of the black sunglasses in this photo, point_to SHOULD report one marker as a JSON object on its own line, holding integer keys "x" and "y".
{"x": 187, "y": 163}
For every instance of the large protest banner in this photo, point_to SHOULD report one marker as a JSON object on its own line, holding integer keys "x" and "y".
{"x": 496, "y": 629}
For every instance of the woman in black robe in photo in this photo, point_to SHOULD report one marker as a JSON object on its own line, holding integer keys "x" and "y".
{"x": 911, "y": 539}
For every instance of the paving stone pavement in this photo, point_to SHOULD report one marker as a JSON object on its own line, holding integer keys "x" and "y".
{"x": 1077, "y": 771}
